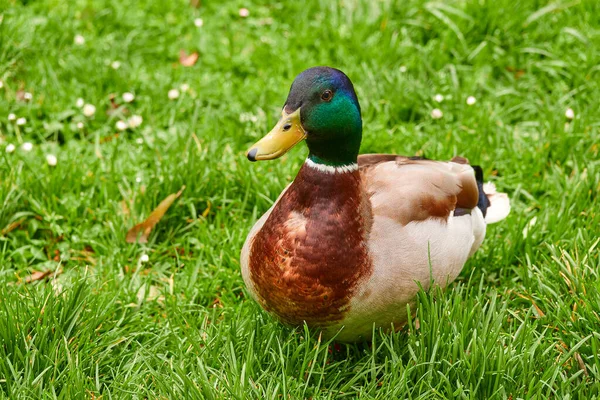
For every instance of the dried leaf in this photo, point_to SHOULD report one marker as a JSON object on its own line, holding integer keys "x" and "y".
{"x": 84, "y": 255}
{"x": 518, "y": 73}
{"x": 140, "y": 232}
{"x": 207, "y": 210}
{"x": 217, "y": 303}
{"x": 12, "y": 226}
{"x": 198, "y": 144}
{"x": 108, "y": 139}
{"x": 187, "y": 60}
{"x": 124, "y": 209}
{"x": 196, "y": 3}
{"x": 113, "y": 102}
{"x": 39, "y": 275}
{"x": 581, "y": 363}
{"x": 20, "y": 95}
{"x": 539, "y": 311}
{"x": 115, "y": 108}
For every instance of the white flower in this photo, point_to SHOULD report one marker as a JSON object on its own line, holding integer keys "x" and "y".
{"x": 403, "y": 68}
{"x": 471, "y": 100}
{"x": 438, "y": 97}
{"x": 184, "y": 87}
{"x": 80, "y": 125}
{"x": 138, "y": 179}
{"x": 139, "y": 140}
{"x": 173, "y": 94}
{"x": 27, "y": 146}
{"x": 10, "y": 148}
{"x": 198, "y": 22}
{"x": 436, "y": 113}
{"x": 79, "y": 103}
{"x": 21, "y": 121}
{"x": 51, "y": 160}
{"x": 570, "y": 114}
{"x": 121, "y": 125}
{"x": 89, "y": 110}
{"x": 248, "y": 117}
{"x": 12, "y": 117}
{"x": 115, "y": 65}
{"x": 244, "y": 12}
{"x": 27, "y": 96}
{"x": 128, "y": 97}
{"x": 135, "y": 120}
{"x": 1, "y": 84}
{"x": 79, "y": 40}
{"x": 144, "y": 258}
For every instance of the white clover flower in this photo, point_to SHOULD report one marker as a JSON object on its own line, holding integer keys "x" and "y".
{"x": 248, "y": 117}
{"x": 436, "y": 113}
{"x": 570, "y": 114}
{"x": 403, "y": 68}
{"x": 135, "y": 120}
{"x": 121, "y": 125}
{"x": 173, "y": 94}
{"x": 139, "y": 140}
{"x": 79, "y": 40}
{"x": 439, "y": 98}
{"x": 51, "y": 160}
{"x": 198, "y": 22}
{"x": 12, "y": 117}
{"x": 27, "y": 146}
{"x": 80, "y": 125}
{"x": 21, "y": 121}
{"x": 144, "y": 258}
{"x": 10, "y": 148}
{"x": 79, "y": 103}
{"x": 245, "y": 117}
{"x": 128, "y": 97}
{"x": 115, "y": 64}
{"x": 471, "y": 100}
{"x": 89, "y": 110}
{"x": 1, "y": 84}
{"x": 244, "y": 12}
{"x": 138, "y": 179}
{"x": 27, "y": 96}
{"x": 184, "y": 87}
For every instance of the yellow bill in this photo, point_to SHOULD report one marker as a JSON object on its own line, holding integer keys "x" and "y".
{"x": 286, "y": 134}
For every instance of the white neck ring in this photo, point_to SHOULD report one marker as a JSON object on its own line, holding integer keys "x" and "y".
{"x": 330, "y": 169}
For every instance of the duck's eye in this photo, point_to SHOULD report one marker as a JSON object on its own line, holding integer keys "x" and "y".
{"x": 327, "y": 95}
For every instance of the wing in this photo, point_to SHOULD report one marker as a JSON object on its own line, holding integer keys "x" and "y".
{"x": 409, "y": 189}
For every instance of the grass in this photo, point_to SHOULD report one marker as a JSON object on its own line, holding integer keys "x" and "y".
{"x": 520, "y": 322}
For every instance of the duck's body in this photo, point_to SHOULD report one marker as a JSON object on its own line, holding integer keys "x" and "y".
{"x": 346, "y": 246}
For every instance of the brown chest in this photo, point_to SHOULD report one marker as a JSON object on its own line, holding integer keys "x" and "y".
{"x": 310, "y": 255}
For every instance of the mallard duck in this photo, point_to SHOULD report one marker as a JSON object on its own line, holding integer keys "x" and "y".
{"x": 348, "y": 242}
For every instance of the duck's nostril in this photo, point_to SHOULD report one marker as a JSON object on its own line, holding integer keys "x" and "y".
{"x": 287, "y": 127}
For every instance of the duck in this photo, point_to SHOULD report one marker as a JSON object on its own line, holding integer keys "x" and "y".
{"x": 349, "y": 243}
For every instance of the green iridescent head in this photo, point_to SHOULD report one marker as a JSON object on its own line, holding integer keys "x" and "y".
{"x": 323, "y": 109}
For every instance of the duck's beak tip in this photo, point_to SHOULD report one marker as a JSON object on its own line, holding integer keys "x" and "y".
{"x": 252, "y": 154}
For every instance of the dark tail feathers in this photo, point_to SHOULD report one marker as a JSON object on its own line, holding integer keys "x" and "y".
{"x": 483, "y": 203}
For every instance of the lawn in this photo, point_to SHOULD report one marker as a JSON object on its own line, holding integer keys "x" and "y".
{"x": 84, "y": 314}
